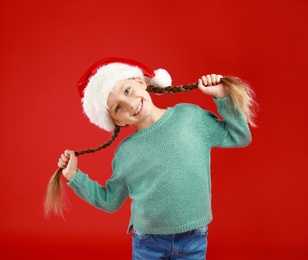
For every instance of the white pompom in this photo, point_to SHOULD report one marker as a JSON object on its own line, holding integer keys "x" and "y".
{"x": 161, "y": 79}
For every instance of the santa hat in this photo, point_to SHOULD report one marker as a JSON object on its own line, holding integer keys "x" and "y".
{"x": 100, "y": 79}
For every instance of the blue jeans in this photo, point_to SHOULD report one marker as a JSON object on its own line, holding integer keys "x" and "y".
{"x": 188, "y": 245}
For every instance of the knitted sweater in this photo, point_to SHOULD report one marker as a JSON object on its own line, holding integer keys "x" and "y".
{"x": 165, "y": 169}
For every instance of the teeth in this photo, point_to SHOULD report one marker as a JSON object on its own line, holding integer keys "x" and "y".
{"x": 138, "y": 109}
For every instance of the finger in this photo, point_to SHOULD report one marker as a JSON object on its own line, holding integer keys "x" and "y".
{"x": 67, "y": 153}
{"x": 209, "y": 80}
{"x": 64, "y": 158}
{"x": 205, "y": 89}
{"x": 61, "y": 164}
{"x": 204, "y": 81}
{"x": 218, "y": 77}
{"x": 201, "y": 85}
{"x": 213, "y": 78}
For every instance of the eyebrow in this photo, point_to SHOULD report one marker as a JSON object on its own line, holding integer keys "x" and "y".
{"x": 120, "y": 90}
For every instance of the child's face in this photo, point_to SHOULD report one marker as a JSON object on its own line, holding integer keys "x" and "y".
{"x": 130, "y": 103}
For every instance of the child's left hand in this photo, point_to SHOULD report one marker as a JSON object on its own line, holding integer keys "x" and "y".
{"x": 210, "y": 85}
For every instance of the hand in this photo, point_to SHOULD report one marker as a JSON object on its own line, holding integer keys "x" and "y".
{"x": 68, "y": 162}
{"x": 210, "y": 85}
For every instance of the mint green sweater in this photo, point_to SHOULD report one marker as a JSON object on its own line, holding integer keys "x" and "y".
{"x": 165, "y": 169}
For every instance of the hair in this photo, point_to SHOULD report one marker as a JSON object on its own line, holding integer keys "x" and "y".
{"x": 241, "y": 95}
{"x": 55, "y": 196}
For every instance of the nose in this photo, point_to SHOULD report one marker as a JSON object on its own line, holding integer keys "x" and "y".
{"x": 129, "y": 104}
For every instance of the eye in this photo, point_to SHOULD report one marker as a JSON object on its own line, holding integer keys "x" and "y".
{"x": 126, "y": 91}
{"x": 117, "y": 108}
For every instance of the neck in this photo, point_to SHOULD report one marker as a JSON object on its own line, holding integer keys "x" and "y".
{"x": 156, "y": 114}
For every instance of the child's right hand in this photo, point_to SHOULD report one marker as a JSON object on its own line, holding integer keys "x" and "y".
{"x": 68, "y": 162}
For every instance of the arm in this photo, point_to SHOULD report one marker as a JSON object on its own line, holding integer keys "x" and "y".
{"x": 233, "y": 131}
{"x": 108, "y": 198}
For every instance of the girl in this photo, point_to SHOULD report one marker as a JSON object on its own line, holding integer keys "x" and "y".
{"x": 164, "y": 166}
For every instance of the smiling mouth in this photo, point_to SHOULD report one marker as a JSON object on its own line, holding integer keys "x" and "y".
{"x": 139, "y": 108}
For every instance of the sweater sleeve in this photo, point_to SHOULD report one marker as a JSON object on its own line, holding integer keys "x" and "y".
{"x": 109, "y": 198}
{"x": 232, "y": 131}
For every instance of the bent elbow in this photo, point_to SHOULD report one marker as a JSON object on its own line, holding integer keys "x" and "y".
{"x": 109, "y": 208}
{"x": 112, "y": 210}
{"x": 106, "y": 208}
{"x": 245, "y": 140}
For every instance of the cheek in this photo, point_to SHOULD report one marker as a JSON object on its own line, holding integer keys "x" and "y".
{"x": 120, "y": 117}
{"x": 148, "y": 98}
{"x": 118, "y": 121}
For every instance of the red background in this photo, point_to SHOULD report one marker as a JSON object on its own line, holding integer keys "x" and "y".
{"x": 259, "y": 193}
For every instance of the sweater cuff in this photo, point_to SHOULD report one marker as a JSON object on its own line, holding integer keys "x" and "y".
{"x": 76, "y": 179}
{"x": 223, "y": 102}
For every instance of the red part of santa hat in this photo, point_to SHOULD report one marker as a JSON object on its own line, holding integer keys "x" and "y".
{"x": 99, "y": 80}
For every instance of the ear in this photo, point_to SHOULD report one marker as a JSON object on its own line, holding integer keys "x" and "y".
{"x": 141, "y": 82}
